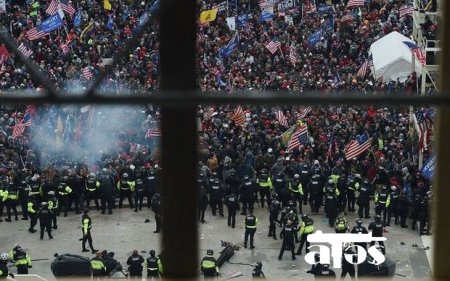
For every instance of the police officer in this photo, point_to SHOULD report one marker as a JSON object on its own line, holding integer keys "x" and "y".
{"x": 91, "y": 191}
{"x": 75, "y": 182}
{"x": 202, "y": 201}
{"x": 232, "y": 204}
{"x": 403, "y": 209}
{"x": 365, "y": 190}
{"x": 98, "y": 265}
{"x": 32, "y": 213}
{"x": 315, "y": 192}
{"x": 304, "y": 179}
{"x": 265, "y": 186}
{"x": 331, "y": 202}
{"x": 306, "y": 228}
{"x": 274, "y": 211}
{"x": 208, "y": 265}
{"x": 382, "y": 201}
{"x": 21, "y": 260}
{"x": 215, "y": 197}
{"x": 4, "y": 271}
{"x": 135, "y": 262}
{"x": 156, "y": 208}
{"x": 24, "y": 190}
{"x": 139, "y": 192}
{"x": 424, "y": 213}
{"x": 288, "y": 234}
{"x": 151, "y": 186}
{"x": 64, "y": 192}
{"x": 10, "y": 199}
{"x": 86, "y": 225}
{"x": 257, "y": 271}
{"x": 393, "y": 206}
{"x": 106, "y": 189}
{"x": 126, "y": 188}
{"x": 296, "y": 188}
{"x": 250, "y": 222}
{"x": 45, "y": 220}
{"x": 359, "y": 229}
{"x": 247, "y": 195}
{"x": 341, "y": 224}
{"x": 348, "y": 267}
{"x": 377, "y": 231}
{"x": 35, "y": 190}
{"x": 341, "y": 185}
{"x": 353, "y": 185}
{"x": 153, "y": 265}
{"x": 53, "y": 207}
{"x": 279, "y": 183}
{"x": 416, "y": 210}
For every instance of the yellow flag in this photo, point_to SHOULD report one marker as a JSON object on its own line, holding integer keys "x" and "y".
{"x": 208, "y": 15}
{"x": 88, "y": 29}
{"x": 107, "y": 5}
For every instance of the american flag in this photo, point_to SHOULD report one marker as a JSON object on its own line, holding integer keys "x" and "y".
{"x": 358, "y": 146}
{"x": 34, "y": 34}
{"x": 406, "y": 11}
{"x": 303, "y": 112}
{"x": 417, "y": 51}
{"x": 297, "y": 137}
{"x": 27, "y": 52}
{"x": 18, "y": 130}
{"x": 355, "y": 3}
{"x": 425, "y": 129}
{"x": 53, "y": 7}
{"x": 65, "y": 48}
{"x": 4, "y": 54}
{"x": 293, "y": 55}
{"x": 87, "y": 73}
{"x": 281, "y": 118}
{"x": 238, "y": 116}
{"x": 362, "y": 72}
{"x": 273, "y": 46}
{"x": 66, "y": 7}
{"x": 154, "y": 132}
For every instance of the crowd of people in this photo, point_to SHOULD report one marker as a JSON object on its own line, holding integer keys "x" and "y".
{"x": 241, "y": 165}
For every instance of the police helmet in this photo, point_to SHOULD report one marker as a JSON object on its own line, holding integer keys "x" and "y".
{"x": 359, "y": 222}
{"x": 330, "y": 181}
{"x": 152, "y": 253}
{"x": 358, "y": 176}
{"x": 296, "y": 176}
{"x": 393, "y": 188}
{"x": 258, "y": 265}
{"x": 43, "y": 204}
{"x": 214, "y": 173}
{"x": 366, "y": 181}
{"x": 246, "y": 177}
{"x": 209, "y": 252}
{"x": 51, "y": 192}
{"x": 125, "y": 175}
{"x": 384, "y": 187}
{"x": 65, "y": 178}
{"x": 304, "y": 216}
{"x": 4, "y": 256}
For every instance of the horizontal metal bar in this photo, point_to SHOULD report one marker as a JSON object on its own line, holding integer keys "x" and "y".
{"x": 190, "y": 98}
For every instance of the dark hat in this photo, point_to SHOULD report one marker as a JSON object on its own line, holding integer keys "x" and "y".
{"x": 85, "y": 211}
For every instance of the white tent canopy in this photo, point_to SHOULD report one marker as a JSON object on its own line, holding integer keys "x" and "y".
{"x": 392, "y": 59}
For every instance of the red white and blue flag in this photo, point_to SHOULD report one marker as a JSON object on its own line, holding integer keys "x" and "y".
{"x": 281, "y": 118}
{"x": 417, "y": 51}
{"x": 358, "y": 146}
{"x": 298, "y": 137}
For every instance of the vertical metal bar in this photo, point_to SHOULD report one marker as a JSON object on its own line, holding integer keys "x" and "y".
{"x": 179, "y": 139}
{"x": 441, "y": 227}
